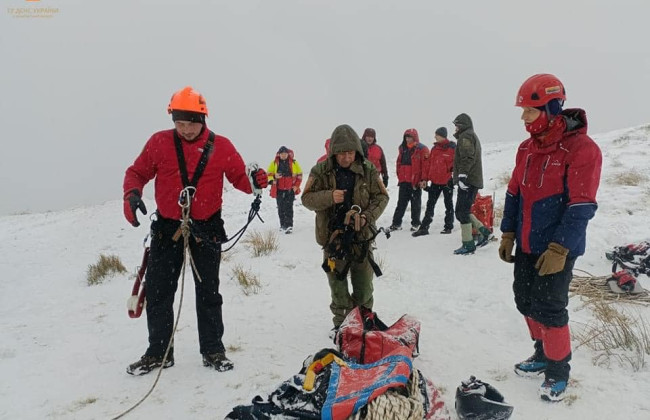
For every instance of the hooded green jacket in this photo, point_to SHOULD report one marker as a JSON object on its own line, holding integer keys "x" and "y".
{"x": 369, "y": 191}
{"x": 467, "y": 158}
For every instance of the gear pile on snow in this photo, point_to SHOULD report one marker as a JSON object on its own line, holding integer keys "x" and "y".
{"x": 364, "y": 378}
{"x": 633, "y": 259}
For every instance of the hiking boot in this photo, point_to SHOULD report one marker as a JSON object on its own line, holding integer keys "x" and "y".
{"x": 414, "y": 228}
{"x": 420, "y": 232}
{"x": 532, "y": 367}
{"x": 394, "y": 227}
{"x": 148, "y": 363}
{"x": 445, "y": 231}
{"x": 484, "y": 237}
{"x": 553, "y": 390}
{"x": 467, "y": 248}
{"x": 288, "y": 230}
{"x": 218, "y": 361}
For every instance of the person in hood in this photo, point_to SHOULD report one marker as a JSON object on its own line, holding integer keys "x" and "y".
{"x": 348, "y": 197}
{"x": 375, "y": 153}
{"x": 285, "y": 177}
{"x": 468, "y": 175}
{"x": 550, "y": 199}
{"x": 411, "y": 159}
{"x": 438, "y": 173}
{"x": 190, "y": 162}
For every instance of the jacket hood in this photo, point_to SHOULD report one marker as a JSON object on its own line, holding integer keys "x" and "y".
{"x": 284, "y": 149}
{"x": 463, "y": 122}
{"x": 369, "y": 132}
{"x": 343, "y": 139}
{"x": 576, "y": 120}
{"x": 413, "y": 133}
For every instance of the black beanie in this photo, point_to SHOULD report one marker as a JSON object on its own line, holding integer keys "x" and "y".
{"x": 179, "y": 115}
{"x": 442, "y": 132}
{"x": 283, "y": 149}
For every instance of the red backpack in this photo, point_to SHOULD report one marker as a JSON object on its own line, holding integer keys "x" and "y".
{"x": 483, "y": 209}
{"x": 363, "y": 338}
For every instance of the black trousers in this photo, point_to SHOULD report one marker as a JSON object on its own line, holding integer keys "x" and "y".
{"x": 284, "y": 201}
{"x": 163, "y": 272}
{"x": 464, "y": 202}
{"x": 542, "y": 298}
{"x": 434, "y": 193}
{"x": 408, "y": 194}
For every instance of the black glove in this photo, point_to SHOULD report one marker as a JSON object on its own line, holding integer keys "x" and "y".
{"x": 132, "y": 202}
{"x": 385, "y": 180}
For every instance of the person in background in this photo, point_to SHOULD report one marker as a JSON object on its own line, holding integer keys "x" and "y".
{"x": 375, "y": 154}
{"x": 285, "y": 177}
{"x": 468, "y": 175}
{"x": 550, "y": 199}
{"x": 410, "y": 164}
{"x": 438, "y": 170}
{"x": 192, "y": 160}
{"x": 327, "y": 151}
{"x": 348, "y": 197}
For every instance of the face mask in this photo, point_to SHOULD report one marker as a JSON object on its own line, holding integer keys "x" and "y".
{"x": 539, "y": 125}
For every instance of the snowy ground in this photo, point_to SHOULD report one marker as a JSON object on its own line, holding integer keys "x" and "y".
{"x": 64, "y": 345}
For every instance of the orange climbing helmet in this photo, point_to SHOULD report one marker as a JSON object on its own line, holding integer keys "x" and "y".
{"x": 187, "y": 99}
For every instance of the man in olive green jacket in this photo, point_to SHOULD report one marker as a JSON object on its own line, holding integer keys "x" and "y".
{"x": 468, "y": 175}
{"x": 348, "y": 196}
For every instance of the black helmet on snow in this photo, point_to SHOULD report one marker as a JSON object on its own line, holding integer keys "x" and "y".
{"x": 477, "y": 400}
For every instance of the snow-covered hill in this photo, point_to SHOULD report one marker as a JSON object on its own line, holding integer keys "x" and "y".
{"x": 64, "y": 345}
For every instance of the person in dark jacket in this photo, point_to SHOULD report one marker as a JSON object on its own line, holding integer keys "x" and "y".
{"x": 438, "y": 171}
{"x": 173, "y": 158}
{"x": 285, "y": 177}
{"x": 468, "y": 175}
{"x": 375, "y": 153}
{"x": 550, "y": 199}
{"x": 348, "y": 197}
{"x": 411, "y": 159}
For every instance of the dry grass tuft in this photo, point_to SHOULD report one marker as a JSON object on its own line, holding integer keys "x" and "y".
{"x": 630, "y": 178}
{"x": 262, "y": 243}
{"x": 247, "y": 280}
{"x": 616, "y": 335}
{"x": 105, "y": 266}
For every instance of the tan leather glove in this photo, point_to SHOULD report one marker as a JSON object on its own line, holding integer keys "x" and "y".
{"x": 552, "y": 260}
{"x": 506, "y": 246}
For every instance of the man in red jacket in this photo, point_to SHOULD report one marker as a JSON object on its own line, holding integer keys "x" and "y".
{"x": 439, "y": 169}
{"x": 410, "y": 160}
{"x": 375, "y": 153}
{"x": 193, "y": 159}
{"x": 550, "y": 199}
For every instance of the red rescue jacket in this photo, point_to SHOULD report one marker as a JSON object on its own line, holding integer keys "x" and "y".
{"x": 440, "y": 165}
{"x": 410, "y": 160}
{"x": 158, "y": 160}
{"x": 552, "y": 193}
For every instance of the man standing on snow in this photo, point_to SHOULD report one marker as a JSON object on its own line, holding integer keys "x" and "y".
{"x": 286, "y": 176}
{"x": 409, "y": 167}
{"x": 550, "y": 199}
{"x": 468, "y": 175}
{"x": 345, "y": 192}
{"x": 174, "y": 157}
{"x": 438, "y": 169}
{"x": 375, "y": 153}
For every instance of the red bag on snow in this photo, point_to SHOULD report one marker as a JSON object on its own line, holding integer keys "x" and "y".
{"x": 363, "y": 338}
{"x": 483, "y": 209}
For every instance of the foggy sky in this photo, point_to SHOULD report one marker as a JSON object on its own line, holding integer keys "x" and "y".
{"x": 83, "y": 91}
